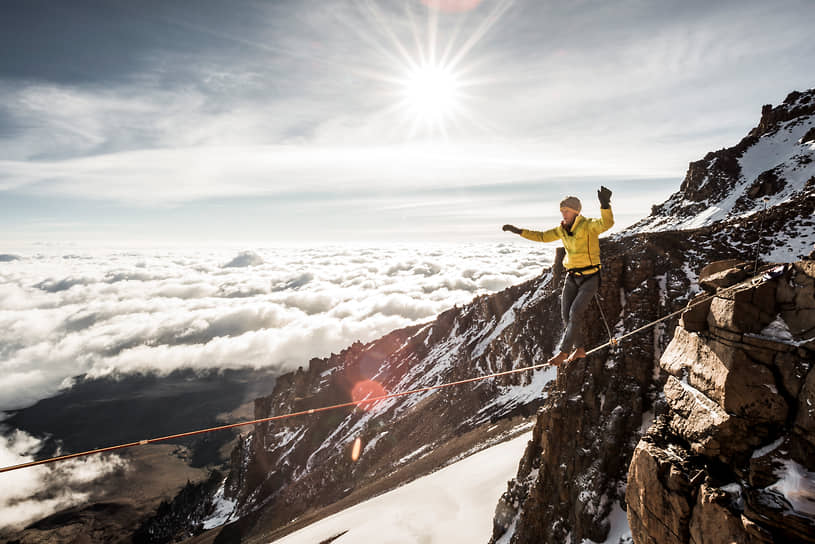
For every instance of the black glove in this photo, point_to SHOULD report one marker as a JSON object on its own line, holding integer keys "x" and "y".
{"x": 511, "y": 228}
{"x": 604, "y": 195}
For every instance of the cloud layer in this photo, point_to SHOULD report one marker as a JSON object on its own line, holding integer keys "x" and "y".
{"x": 106, "y": 311}
{"x": 33, "y": 493}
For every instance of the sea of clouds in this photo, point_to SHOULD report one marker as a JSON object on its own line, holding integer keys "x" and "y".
{"x": 101, "y": 312}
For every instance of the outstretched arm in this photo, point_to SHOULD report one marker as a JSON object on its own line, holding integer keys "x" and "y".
{"x": 536, "y": 236}
{"x": 541, "y": 236}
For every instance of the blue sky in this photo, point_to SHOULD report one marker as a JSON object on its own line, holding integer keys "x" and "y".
{"x": 369, "y": 120}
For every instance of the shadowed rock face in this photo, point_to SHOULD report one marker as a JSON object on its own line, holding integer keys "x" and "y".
{"x": 725, "y": 462}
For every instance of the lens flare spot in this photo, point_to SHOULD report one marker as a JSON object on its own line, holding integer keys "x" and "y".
{"x": 367, "y": 389}
{"x": 452, "y": 6}
{"x": 356, "y": 450}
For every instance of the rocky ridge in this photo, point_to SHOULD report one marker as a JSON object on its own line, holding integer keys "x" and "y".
{"x": 772, "y": 165}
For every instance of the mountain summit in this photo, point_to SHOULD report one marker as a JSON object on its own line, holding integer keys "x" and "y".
{"x": 771, "y": 167}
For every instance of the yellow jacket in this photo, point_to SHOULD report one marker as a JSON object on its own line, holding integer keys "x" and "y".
{"x": 582, "y": 244}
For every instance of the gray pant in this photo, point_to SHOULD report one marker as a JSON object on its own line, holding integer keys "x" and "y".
{"x": 577, "y": 295}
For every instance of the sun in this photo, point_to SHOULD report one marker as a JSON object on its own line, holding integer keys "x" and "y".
{"x": 428, "y": 80}
{"x": 431, "y": 94}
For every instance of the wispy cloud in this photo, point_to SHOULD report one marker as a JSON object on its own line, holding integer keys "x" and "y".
{"x": 297, "y": 96}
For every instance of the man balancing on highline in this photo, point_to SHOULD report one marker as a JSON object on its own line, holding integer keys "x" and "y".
{"x": 580, "y": 237}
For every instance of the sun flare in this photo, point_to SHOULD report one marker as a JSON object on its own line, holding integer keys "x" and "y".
{"x": 431, "y": 93}
{"x": 427, "y": 73}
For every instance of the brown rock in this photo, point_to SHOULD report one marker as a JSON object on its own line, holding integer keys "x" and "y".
{"x": 766, "y": 344}
{"x": 764, "y": 464}
{"x": 755, "y": 531}
{"x": 793, "y": 371}
{"x": 695, "y": 317}
{"x": 726, "y": 335}
{"x": 711, "y": 275}
{"x": 747, "y": 309}
{"x": 763, "y": 350}
{"x": 796, "y": 296}
{"x": 713, "y": 521}
{"x": 805, "y": 419}
{"x": 801, "y": 322}
{"x": 681, "y": 351}
{"x": 725, "y": 278}
{"x": 709, "y": 430}
{"x": 766, "y": 503}
{"x": 726, "y": 375}
{"x": 770, "y": 509}
{"x": 805, "y": 267}
{"x": 656, "y": 513}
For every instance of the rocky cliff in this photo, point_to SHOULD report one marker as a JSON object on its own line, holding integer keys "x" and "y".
{"x": 773, "y": 165}
{"x": 732, "y": 459}
{"x": 754, "y": 200}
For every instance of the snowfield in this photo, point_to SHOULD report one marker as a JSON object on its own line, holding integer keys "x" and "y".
{"x": 455, "y": 504}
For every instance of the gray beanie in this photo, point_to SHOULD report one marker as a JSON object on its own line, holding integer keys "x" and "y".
{"x": 572, "y": 203}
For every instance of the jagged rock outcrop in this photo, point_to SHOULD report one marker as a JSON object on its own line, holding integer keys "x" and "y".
{"x": 570, "y": 478}
{"x": 733, "y": 457}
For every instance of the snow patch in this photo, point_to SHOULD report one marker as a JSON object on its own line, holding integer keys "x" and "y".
{"x": 223, "y": 511}
{"x": 506, "y": 538}
{"x": 510, "y": 397}
{"x": 797, "y": 485}
{"x": 506, "y": 320}
{"x": 410, "y": 456}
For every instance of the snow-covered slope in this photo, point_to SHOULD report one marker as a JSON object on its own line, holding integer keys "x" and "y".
{"x": 454, "y": 504}
{"x": 773, "y": 165}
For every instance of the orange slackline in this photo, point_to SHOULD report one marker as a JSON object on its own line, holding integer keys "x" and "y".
{"x": 611, "y": 342}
